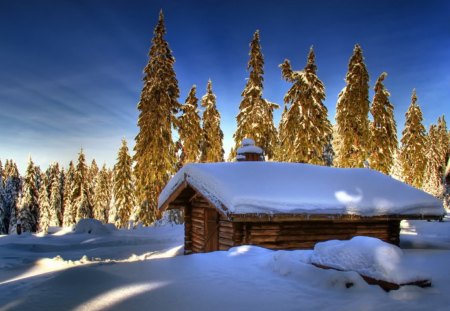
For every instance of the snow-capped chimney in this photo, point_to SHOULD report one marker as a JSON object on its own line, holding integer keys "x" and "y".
{"x": 249, "y": 152}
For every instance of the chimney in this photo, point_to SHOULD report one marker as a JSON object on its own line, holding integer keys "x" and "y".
{"x": 249, "y": 152}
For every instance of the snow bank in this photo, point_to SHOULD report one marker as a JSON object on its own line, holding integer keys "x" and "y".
{"x": 369, "y": 257}
{"x": 271, "y": 187}
{"x": 93, "y": 226}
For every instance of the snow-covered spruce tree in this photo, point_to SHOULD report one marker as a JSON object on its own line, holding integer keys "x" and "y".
{"x": 436, "y": 157}
{"x": 383, "y": 129}
{"x": 154, "y": 149}
{"x": 352, "y": 111}
{"x": 123, "y": 186}
{"x": 447, "y": 186}
{"x": 103, "y": 195}
{"x": 44, "y": 205}
{"x": 3, "y": 225}
{"x": 80, "y": 192}
{"x": 29, "y": 205}
{"x": 306, "y": 125}
{"x": 444, "y": 143}
{"x": 92, "y": 177}
{"x": 13, "y": 188}
{"x": 189, "y": 130}
{"x": 212, "y": 141}
{"x": 412, "y": 153}
{"x": 69, "y": 202}
{"x": 56, "y": 201}
{"x": 255, "y": 118}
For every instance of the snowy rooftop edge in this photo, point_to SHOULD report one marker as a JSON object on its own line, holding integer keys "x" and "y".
{"x": 295, "y": 188}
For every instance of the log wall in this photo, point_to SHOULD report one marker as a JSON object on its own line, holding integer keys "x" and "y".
{"x": 276, "y": 235}
{"x": 303, "y": 234}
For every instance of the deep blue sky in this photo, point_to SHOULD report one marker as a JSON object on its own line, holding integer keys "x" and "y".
{"x": 71, "y": 71}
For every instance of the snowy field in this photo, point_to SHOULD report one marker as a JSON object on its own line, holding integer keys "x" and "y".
{"x": 110, "y": 269}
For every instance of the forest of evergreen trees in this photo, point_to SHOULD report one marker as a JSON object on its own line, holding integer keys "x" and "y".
{"x": 364, "y": 135}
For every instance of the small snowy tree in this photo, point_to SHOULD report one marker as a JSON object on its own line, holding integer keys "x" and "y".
{"x": 412, "y": 153}
{"x": 352, "y": 112}
{"x": 3, "y": 222}
{"x": 29, "y": 205}
{"x": 80, "y": 192}
{"x": 44, "y": 206}
{"x": 255, "y": 118}
{"x": 383, "y": 129}
{"x": 189, "y": 130}
{"x": 103, "y": 195}
{"x": 306, "y": 128}
{"x": 447, "y": 186}
{"x": 69, "y": 202}
{"x": 123, "y": 186}
{"x": 212, "y": 141}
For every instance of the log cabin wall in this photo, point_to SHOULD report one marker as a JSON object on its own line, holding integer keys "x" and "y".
{"x": 303, "y": 234}
{"x": 274, "y": 235}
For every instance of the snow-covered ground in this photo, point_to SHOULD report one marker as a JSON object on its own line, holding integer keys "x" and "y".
{"x": 110, "y": 269}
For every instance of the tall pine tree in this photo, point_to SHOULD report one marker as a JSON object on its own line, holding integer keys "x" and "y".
{"x": 154, "y": 150}
{"x": 412, "y": 153}
{"x": 383, "y": 129}
{"x": 80, "y": 193}
{"x": 103, "y": 195}
{"x": 44, "y": 205}
{"x": 3, "y": 225}
{"x": 123, "y": 186}
{"x": 29, "y": 206}
{"x": 306, "y": 128}
{"x": 70, "y": 211}
{"x": 352, "y": 111}
{"x": 212, "y": 141}
{"x": 189, "y": 130}
{"x": 255, "y": 118}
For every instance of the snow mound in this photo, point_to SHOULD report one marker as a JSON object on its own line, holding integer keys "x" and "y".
{"x": 93, "y": 226}
{"x": 369, "y": 257}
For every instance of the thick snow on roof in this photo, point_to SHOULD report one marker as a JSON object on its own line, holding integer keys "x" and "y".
{"x": 272, "y": 187}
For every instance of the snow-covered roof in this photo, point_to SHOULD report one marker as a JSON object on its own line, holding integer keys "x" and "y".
{"x": 249, "y": 149}
{"x": 294, "y": 188}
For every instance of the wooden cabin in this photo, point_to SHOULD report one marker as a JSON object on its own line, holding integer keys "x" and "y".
{"x": 289, "y": 205}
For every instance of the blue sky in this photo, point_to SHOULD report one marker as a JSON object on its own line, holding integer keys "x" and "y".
{"x": 71, "y": 71}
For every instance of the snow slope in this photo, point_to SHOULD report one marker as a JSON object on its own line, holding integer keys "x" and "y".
{"x": 271, "y": 187}
{"x": 140, "y": 270}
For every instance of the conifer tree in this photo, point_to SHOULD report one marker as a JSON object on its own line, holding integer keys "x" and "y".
{"x": 13, "y": 188}
{"x": 80, "y": 192}
{"x": 383, "y": 129}
{"x": 92, "y": 177}
{"x": 436, "y": 157}
{"x": 3, "y": 225}
{"x": 189, "y": 130}
{"x": 212, "y": 141}
{"x": 154, "y": 149}
{"x": 443, "y": 142}
{"x": 352, "y": 111}
{"x": 103, "y": 195}
{"x": 447, "y": 186}
{"x": 29, "y": 206}
{"x": 69, "y": 202}
{"x": 56, "y": 200}
{"x": 412, "y": 153}
{"x": 123, "y": 186}
{"x": 306, "y": 128}
{"x": 255, "y": 118}
{"x": 44, "y": 206}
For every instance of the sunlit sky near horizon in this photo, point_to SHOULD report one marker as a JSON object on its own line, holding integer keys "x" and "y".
{"x": 71, "y": 71}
